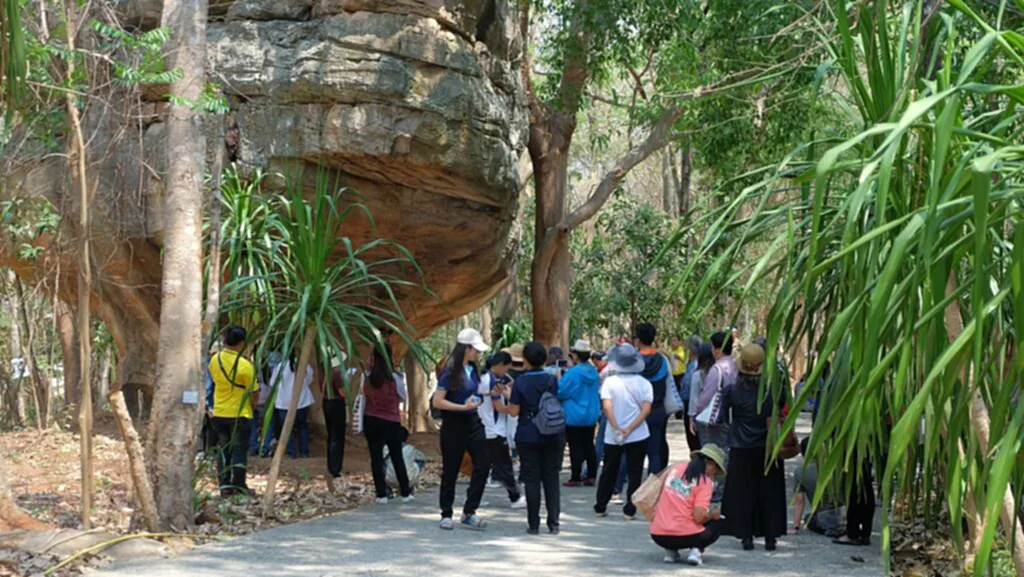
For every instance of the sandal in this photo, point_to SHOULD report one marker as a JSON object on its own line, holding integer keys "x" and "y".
{"x": 848, "y": 542}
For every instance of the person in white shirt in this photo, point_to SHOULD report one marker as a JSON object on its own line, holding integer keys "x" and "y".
{"x": 626, "y": 398}
{"x": 283, "y": 378}
{"x": 495, "y": 389}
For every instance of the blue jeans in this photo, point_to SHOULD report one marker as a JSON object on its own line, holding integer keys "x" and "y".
{"x": 254, "y": 434}
{"x": 300, "y": 431}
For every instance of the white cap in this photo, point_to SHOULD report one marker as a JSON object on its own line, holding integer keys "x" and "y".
{"x": 580, "y": 346}
{"x": 472, "y": 337}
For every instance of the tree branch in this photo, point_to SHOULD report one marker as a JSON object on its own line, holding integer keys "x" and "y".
{"x": 658, "y": 137}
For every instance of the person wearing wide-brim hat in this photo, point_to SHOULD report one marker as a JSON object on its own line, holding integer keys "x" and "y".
{"x": 754, "y": 504}
{"x": 626, "y": 398}
{"x": 579, "y": 390}
{"x": 684, "y": 519}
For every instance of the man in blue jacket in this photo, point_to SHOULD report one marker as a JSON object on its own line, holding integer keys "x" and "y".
{"x": 579, "y": 392}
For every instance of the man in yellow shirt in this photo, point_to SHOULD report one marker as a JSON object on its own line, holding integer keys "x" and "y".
{"x": 235, "y": 391}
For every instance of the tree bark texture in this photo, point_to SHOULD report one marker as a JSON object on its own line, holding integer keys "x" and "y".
{"x": 417, "y": 384}
{"x": 305, "y": 355}
{"x": 68, "y": 337}
{"x": 136, "y": 460}
{"x": 685, "y": 177}
{"x": 174, "y": 423}
{"x": 981, "y": 423}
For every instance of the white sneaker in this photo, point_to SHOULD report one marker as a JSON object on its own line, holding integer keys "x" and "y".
{"x": 492, "y": 484}
{"x": 695, "y": 558}
{"x": 616, "y": 500}
{"x": 408, "y": 499}
{"x": 521, "y": 503}
{"x": 382, "y": 501}
{"x": 671, "y": 556}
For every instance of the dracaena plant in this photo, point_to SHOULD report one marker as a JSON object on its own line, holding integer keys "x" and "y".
{"x": 896, "y": 248}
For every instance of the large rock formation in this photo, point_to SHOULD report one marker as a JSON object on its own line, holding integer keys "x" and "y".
{"x": 416, "y": 104}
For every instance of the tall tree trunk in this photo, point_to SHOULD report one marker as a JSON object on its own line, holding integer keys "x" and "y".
{"x": 77, "y": 158}
{"x": 550, "y": 274}
{"x": 293, "y": 406}
{"x": 213, "y": 282}
{"x": 22, "y": 328}
{"x": 486, "y": 322}
{"x": 40, "y": 386}
{"x": 175, "y": 421}
{"x": 685, "y": 177}
{"x": 68, "y": 337}
{"x": 981, "y": 423}
{"x": 419, "y": 397}
{"x": 668, "y": 182}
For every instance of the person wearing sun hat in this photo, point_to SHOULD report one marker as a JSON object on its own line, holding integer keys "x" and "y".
{"x": 457, "y": 397}
{"x": 754, "y": 503}
{"x": 684, "y": 517}
{"x": 579, "y": 392}
{"x": 626, "y": 398}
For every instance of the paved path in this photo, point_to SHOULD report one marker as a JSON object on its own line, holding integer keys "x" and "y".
{"x": 403, "y": 540}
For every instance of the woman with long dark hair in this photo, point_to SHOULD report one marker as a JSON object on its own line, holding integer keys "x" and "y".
{"x": 684, "y": 517}
{"x": 457, "y": 397}
{"x": 754, "y": 504}
{"x": 705, "y": 360}
{"x": 382, "y": 424}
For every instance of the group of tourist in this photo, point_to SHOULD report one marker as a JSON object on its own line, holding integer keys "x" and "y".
{"x": 529, "y": 402}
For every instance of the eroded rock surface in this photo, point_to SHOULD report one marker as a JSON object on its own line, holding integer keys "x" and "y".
{"x": 416, "y": 104}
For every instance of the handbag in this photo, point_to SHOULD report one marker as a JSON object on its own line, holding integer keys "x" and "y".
{"x": 673, "y": 400}
{"x": 646, "y": 497}
{"x": 790, "y": 446}
{"x": 358, "y": 407}
{"x": 709, "y": 416}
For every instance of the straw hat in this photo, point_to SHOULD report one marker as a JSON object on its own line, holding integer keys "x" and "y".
{"x": 716, "y": 454}
{"x": 750, "y": 360}
{"x": 516, "y": 352}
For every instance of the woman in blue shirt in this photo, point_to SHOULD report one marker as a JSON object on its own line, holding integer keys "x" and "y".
{"x": 540, "y": 455}
{"x": 457, "y": 397}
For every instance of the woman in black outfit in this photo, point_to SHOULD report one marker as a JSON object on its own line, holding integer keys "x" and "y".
{"x": 754, "y": 504}
{"x": 457, "y": 397}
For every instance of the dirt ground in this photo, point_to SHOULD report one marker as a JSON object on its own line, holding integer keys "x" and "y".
{"x": 44, "y": 471}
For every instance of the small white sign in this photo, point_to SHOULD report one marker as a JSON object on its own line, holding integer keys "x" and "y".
{"x": 190, "y": 398}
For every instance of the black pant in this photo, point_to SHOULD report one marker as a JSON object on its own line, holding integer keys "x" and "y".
{"x": 692, "y": 441}
{"x": 635, "y": 453}
{"x": 657, "y": 443}
{"x": 501, "y": 466}
{"x": 860, "y": 507}
{"x": 380, "y": 432}
{"x": 540, "y": 465}
{"x": 581, "y": 448}
{"x": 712, "y": 531}
{"x": 461, "y": 433}
{"x": 232, "y": 451}
{"x": 335, "y": 415}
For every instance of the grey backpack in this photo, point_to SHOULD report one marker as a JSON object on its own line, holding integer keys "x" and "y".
{"x": 549, "y": 418}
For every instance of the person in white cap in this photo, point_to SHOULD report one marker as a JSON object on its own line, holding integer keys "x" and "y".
{"x": 461, "y": 429}
{"x": 579, "y": 392}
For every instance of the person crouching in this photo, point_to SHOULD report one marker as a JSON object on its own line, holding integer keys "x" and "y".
{"x": 684, "y": 518}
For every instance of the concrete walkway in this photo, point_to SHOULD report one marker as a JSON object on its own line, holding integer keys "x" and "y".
{"x": 403, "y": 540}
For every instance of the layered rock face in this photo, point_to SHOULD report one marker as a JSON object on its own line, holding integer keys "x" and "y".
{"x": 417, "y": 105}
